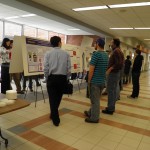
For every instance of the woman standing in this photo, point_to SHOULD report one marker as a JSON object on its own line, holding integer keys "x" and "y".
{"x": 5, "y": 61}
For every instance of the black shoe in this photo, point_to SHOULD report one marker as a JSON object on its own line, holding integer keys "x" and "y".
{"x": 38, "y": 84}
{"x": 20, "y": 92}
{"x": 91, "y": 121}
{"x": 31, "y": 90}
{"x": 105, "y": 93}
{"x": 107, "y": 112}
{"x": 56, "y": 123}
{"x": 86, "y": 114}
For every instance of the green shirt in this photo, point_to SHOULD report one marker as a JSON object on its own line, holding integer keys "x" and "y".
{"x": 100, "y": 61}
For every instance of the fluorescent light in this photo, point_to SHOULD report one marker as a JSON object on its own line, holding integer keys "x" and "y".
{"x": 147, "y": 39}
{"x": 121, "y": 28}
{"x": 74, "y": 29}
{"x": 143, "y": 28}
{"x": 28, "y": 15}
{"x": 90, "y": 8}
{"x": 13, "y": 17}
{"x": 130, "y": 5}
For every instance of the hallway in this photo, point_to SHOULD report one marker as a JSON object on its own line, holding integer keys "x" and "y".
{"x": 128, "y": 129}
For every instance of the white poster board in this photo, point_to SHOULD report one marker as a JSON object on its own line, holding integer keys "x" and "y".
{"x": 29, "y": 54}
{"x": 75, "y": 53}
{"x": 16, "y": 63}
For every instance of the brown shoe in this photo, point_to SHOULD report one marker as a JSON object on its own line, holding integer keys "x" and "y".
{"x": 105, "y": 93}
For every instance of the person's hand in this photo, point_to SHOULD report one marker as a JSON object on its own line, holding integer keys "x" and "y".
{"x": 107, "y": 72}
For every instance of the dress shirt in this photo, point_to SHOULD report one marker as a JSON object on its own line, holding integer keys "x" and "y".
{"x": 57, "y": 62}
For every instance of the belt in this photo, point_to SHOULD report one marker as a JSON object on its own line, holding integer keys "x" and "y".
{"x": 6, "y": 63}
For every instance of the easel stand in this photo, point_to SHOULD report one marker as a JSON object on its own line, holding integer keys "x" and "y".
{"x": 6, "y": 140}
{"x": 77, "y": 83}
{"x": 35, "y": 92}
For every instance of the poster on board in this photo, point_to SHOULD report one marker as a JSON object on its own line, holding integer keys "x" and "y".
{"x": 28, "y": 55}
{"x": 75, "y": 56}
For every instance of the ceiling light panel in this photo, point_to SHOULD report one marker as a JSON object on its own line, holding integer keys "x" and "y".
{"x": 148, "y": 28}
{"x": 121, "y": 28}
{"x": 90, "y": 8}
{"x": 130, "y": 5}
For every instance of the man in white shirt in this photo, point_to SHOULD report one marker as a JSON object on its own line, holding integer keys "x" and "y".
{"x": 57, "y": 66}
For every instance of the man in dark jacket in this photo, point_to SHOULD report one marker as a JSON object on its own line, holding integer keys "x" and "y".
{"x": 136, "y": 71}
{"x": 127, "y": 66}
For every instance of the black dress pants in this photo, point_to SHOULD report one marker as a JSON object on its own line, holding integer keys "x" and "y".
{"x": 5, "y": 78}
{"x": 135, "y": 82}
{"x": 55, "y": 87}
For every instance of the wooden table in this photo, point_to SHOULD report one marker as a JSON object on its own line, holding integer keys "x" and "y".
{"x": 9, "y": 108}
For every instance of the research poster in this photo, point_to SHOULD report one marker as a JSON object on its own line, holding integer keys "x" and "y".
{"x": 75, "y": 56}
{"x": 88, "y": 51}
{"x": 35, "y": 54}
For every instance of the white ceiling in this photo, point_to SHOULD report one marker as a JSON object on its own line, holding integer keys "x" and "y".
{"x": 37, "y": 21}
{"x": 97, "y": 20}
{"x": 107, "y": 18}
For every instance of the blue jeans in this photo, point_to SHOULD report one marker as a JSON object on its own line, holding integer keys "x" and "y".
{"x": 113, "y": 90}
{"x": 95, "y": 93}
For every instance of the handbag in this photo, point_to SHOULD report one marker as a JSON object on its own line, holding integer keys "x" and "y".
{"x": 68, "y": 89}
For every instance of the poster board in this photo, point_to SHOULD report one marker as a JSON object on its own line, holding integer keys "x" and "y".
{"x": 28, "y": 53}
{"x": 28, "y": 56}
{"x": 16, "y": 63}
{"x": 75, "y": 53}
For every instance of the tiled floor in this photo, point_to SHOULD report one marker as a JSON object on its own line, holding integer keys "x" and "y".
{"x": 128, "y": 129}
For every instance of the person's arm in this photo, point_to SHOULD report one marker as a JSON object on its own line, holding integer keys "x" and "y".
{"x": 46, "y": 66}
{"x": 91, "y": 72}
{"x": 68, "y": 67}
{"x": 109, "y": 70}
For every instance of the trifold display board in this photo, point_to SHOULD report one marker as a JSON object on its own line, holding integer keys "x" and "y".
{"x": 28, "y": 56}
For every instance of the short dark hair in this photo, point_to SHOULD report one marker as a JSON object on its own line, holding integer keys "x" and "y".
{"x": 128, "y": 57}
{"x": 138, "y": 51}
{"x": 116, "y": 42}
{"x": 4, "y": 43}
{"x": 54, "y": 41}
{"x": 100, "y": 42}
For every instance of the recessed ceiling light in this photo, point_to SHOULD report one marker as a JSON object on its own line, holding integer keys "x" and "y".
{"x": 13, "y": 17}
{"x": 121, "y": 28}
{"x": 28, "y": 15}
{"x": 74, "y": 29}
{"x": 148, "y": 28}
{"x": 147, "y": 39}
{"x": 130, "y": 5}
{"x": 90, "y": 8}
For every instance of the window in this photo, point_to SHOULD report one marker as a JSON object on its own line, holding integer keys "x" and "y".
{"x": 1, "y": 31}
{"x": 42, "y": 34}
{"x": 29, "y": 31}
{"x": 12, "y": 29}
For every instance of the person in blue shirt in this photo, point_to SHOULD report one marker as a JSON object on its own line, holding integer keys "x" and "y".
{"x": 57, "y": 66}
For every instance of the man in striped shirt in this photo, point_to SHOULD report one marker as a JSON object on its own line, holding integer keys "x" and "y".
{"x": 96, "y": 80}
